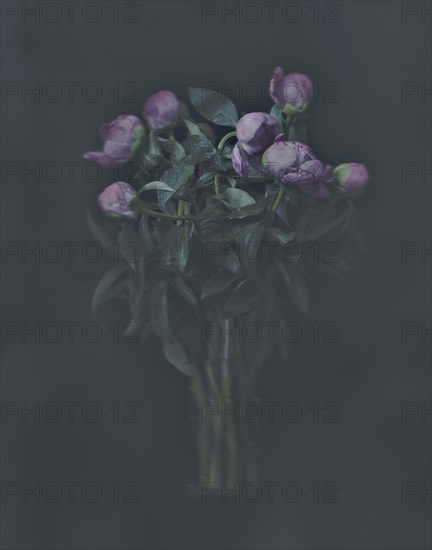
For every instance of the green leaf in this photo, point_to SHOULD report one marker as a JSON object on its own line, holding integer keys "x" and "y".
{"x": 183, "y": 244}
{"x": 152, "y": 153}
{"x": 277, "y": 113}
{"x": 280, "y": 236}
{"x": 178, "y": 357}
{"x": 194, "y": 142}
{"x": 236, "y": 198}
{"x": 129, "y": 244}
{"x": 175, "y": 177}
{"x": 205, "y": 179}
{"x": 218, "y": 283}
{"x": 229, "y": 259}
{"x": 231, "y": 181}
{"x": 156, "y": 185}
{"x": 255, "y": 209}
{"x": 192, "y": 126}
{"x": 282, "y": 214}
{"x": 185, "y": 291}
{"x": 242, "y": 299}
{"x": 174, "y": 149}
{"x": 169, "y": 248}
{"x": 222, "y": 253}
{"x": 145, "y": 233}
{"x": 214, "y": 106}
{"x": 198, "y": 156}
{"x": 249, "y": 244}
{"x": 174, "y": 351}
{"x": 113, "y": 284}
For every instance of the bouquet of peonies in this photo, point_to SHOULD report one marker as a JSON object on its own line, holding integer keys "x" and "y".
{"x": 217, "y": 241}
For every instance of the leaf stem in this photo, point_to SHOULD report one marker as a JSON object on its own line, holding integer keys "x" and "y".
{"x": 219, "y": 151}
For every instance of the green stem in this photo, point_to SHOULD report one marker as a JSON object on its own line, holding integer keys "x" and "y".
{"x": 249, "y": 453}
{"x": 228, "y": 357}
{"x": 214, "y": 472}
{"x": 162, "y": 215}
{"x": 278, "y": 199}
{"x": 287, "y": 125}
{"x": 219, "y": 151}
{"x": 180, "y": 211}
{"x": 203, "y": 447}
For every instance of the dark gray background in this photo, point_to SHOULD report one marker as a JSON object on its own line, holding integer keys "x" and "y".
{"x": 369, "y": 53}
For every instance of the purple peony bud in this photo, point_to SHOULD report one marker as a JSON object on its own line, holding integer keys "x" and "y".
{"x": 351, "y": 178}
{"x": 121, "y": 138}
{"x": 284, "y": 160}
{"x": 294, "y": 163}
{"x": 245, "y": 164}
{"x": 294, "y": 91}
{"x": 256, "y": 131}
{"x": 319, "y": 174}
{"x": 161, "y": 110}
{"x": 114, "y": 201}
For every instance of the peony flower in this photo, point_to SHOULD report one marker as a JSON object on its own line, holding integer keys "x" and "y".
{"x": 114, "y": 201}
{"x": 162, "y": 110}
{"x": 294, "y": 163}
{"x": 256, "y": 131}
{"x": 351, "y": 178}
{"x": 245, "y": 164}
{"x": 121, "y": 139}
{"x": 293, "y": 91}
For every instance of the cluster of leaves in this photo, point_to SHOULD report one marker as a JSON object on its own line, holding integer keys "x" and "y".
{"x": 230, "y": 255}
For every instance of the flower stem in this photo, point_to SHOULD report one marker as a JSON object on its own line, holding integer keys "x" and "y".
{"x": 228, "y": 357}
{"x": 203, "y": 446}
{"x": 180, "y": 211}
{"x": 278, "y": 199}
{"x": 287, "y": 125}
{"x": 162, "y": 215}
{"x": 219, "y": 151}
